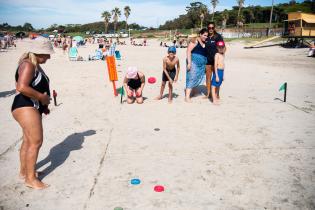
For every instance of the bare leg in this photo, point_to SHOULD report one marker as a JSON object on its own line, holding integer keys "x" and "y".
{"x": 208, "y": 80}
{"x": 187, "y": 95}
{"x": 130, "y": 100}
{"x": 139, "y": 100}
{"x": 159, "y": 97}
{"x": 170, "y": 93}
{"x": 23, "y": 152}
{"x": 31, "y": 122}
{"x": 214, "y": 95}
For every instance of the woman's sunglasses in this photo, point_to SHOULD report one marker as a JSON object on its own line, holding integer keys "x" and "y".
{"x": 210, "y": 27}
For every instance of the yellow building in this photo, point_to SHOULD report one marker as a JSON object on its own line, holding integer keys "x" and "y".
{"x": 300, "y": 25}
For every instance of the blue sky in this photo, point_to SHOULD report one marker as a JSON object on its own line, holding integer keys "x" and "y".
{"x": 148, "y": 13}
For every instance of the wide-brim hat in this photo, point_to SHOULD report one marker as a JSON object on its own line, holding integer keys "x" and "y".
{"x": 39, "y": 45}
{"x": 193, "y": 36}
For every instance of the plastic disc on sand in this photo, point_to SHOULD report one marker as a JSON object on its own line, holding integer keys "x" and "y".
{"x": 135, "y": 181}
{"x": 158, "y": 188}
{"x": 151, "y": 80}
{"x": 118, "y": 208}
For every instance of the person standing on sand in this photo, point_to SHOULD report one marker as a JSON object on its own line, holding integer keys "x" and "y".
{"x": 170, "y": 73}
{"x": 196, "y": 63}
{"x": 211, "y": 47}
{"x": 218, "y": 74}
{"x": 31, "y": 101}
{"x": 134, "y": 82}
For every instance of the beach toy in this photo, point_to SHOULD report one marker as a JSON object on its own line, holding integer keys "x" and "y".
{"x": 284, "y": 88}
{"x": 55, "y": 97}
{"x": 135, "y": 181}
{"x": 156, "y": 129}
{"x": 112, "y": 72}
{"x": 118, "y": 208}
{"x": 151, "y": 80}
{"x": 158, "y": 188}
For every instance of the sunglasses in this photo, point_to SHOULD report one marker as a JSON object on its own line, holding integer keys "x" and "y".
{"x": 210, "y": 27}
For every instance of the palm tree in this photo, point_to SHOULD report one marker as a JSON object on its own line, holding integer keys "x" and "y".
{"x": 214, "y": 5}
{"x": 203, "y": 11}
{"x": 240, "y": 5}
{"x": 116, "y": 14}
{"x": 127, "y": 11}
{"x": 107, "y": 16}
{"x": 225, "y": 17}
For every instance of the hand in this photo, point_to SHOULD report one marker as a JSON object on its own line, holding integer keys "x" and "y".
{"x": 217, "y": 79}
{"x": 129, "y": 93}
{"x": 188, "y": 66}
{"x": 175, "y": 79}
{"x": 44, "y": 99}
{"x": 171, "y": 81}
{"x": 139, "y": 92}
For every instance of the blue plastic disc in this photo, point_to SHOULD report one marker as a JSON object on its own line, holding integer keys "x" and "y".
{"x": 135, "y": 181}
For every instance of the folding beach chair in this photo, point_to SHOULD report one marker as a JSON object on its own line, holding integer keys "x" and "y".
{"x": 117, "y": 55}
{"x": 73, "y": 54}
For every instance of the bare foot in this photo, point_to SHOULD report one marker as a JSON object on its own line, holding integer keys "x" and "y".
{"x": 37, "y": 174}
{"x": 158, "y": 98}
{"x": 216, "y": 102}
{"x": 170, "y": 101}
{"x": 188, "y": 100}
{"x": 36, "y": 184}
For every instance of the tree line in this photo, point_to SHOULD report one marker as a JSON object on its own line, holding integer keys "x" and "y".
{"x": 198, "y": 14}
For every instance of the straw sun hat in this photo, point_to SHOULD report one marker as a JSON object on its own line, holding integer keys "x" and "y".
{"x": 193, "y": 36}
{"x": 39, "y": 45}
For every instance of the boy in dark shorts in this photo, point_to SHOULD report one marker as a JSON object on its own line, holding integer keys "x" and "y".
{"x": 171, "y": 70}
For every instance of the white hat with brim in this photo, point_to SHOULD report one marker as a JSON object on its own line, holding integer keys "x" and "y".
{"x": 132, "y": 72}
{"x": 39, "y": 45}
{"x": 192, "y": 36}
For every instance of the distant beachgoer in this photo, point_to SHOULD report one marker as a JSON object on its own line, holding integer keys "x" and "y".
{"x": 31, "y": 101}
{"x": 134, "y": 82}
{"x": 218, "y": 74}
{"x": 171, "y": 68}
{"x": 211, "y": 42}
{"x": 196, "y": 63}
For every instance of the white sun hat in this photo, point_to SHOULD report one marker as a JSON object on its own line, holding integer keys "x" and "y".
{"x": 39, "y": 45}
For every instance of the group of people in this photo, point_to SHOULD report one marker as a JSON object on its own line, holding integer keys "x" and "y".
{"x": 205, "y": 58}
{"x": 6, "y": 41}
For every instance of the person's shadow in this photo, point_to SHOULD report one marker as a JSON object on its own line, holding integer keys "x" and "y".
{"x": 59, "y": 153}
{"x": 7, "y": 93}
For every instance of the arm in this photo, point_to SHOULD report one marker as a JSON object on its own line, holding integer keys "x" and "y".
{"x": 191, "y": 46}
{"x": 216, "y": 58}
{"x": 177, "y": 70}
{"x": 165, "y": 71}
{"x": 142, "y": 81}
{"x": 26, "y": 72}
{"x": 126, "y": 86}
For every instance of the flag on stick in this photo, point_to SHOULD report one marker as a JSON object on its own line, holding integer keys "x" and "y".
{"x": 284, "y": 88}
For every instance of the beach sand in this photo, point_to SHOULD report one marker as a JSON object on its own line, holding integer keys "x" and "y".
{"x": 251, "y": 152}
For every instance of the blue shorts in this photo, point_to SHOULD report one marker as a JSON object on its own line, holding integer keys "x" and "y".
{"x": 220, "y": 74}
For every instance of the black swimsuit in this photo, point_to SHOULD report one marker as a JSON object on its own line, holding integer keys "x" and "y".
{"x": 135, "y": 83}
{"x": 40, "y": 83}
{"x": 172, "y": 74}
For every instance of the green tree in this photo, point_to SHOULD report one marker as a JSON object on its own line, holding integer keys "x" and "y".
{"x": 240, "y": 4}
{"x": 214, "y": 4}
{"x": 116, "y": 14}
{"x": 196, "y": 13}
{"x": 127, "y": 11}
{"x": 107, "y": 16}
{"x": 28, "y": 27}
{"x": 225, "y": 17}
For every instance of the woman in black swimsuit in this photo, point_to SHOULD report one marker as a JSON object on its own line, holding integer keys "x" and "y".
{"x": 134, "y": 82}
{"x": 32, "y": 99}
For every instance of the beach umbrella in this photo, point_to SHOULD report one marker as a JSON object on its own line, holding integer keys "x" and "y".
{"x": 45, "y": 35}
{"x": 78, "y": 38}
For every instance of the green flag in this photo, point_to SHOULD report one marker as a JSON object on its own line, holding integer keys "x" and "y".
{"x": 122, "y": 92}
{"x": 282, "y": 87}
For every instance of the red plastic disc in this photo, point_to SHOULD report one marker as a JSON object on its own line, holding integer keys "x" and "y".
{"x": 158, "y": 188}
{"x": 151, "y": 80}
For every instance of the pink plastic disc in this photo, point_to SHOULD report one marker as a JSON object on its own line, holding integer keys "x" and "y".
{"x": 158, "y": 188}
{"x": 151, "y": 80}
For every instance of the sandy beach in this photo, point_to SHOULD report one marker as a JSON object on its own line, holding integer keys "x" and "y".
{"x": 251, "y": 152}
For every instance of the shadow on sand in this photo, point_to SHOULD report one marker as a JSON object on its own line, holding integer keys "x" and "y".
{"x": 7, "y": 93}
{"x": 59, "y": 153}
